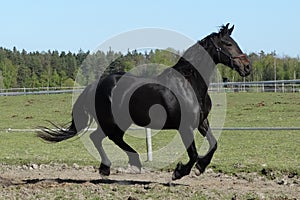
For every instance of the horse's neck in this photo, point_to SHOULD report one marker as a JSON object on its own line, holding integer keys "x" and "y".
{"x": 197, "y": 60}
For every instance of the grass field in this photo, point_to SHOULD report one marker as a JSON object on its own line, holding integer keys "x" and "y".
{"x": 239, "y": 151}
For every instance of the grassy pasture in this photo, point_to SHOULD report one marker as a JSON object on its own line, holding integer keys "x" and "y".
{"x": 238, "y": 151}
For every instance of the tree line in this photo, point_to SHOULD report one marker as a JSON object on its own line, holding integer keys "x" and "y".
{"x": 267, "y": 66}
{"x": 38, "y": 69}
{"x": 19, "y": 69}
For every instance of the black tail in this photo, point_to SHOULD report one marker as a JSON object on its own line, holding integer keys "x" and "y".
{"x": 81, "y": 118}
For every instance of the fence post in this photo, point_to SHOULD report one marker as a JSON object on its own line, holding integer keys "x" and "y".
{"x": 149, "y": 144}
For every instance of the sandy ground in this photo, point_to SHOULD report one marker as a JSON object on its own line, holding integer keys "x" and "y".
{"x": 74, "y": 182}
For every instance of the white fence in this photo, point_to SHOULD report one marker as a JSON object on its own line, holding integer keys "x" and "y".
{"x": 254, "y": 86}
{"x": 260, "y": 86}
{"x": 38, "y": 91}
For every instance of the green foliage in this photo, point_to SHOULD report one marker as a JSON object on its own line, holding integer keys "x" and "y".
{"x": 68, "y": 83}
{"x": 9, "y": 72}
{"x": 56, "y": 69}
{"x": 264, "y": 68}
{"x": 1, "y": 80}
{"x": 164, "y": 57}
{"x": 38, "y": 69}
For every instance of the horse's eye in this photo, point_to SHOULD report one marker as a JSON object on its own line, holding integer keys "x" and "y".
{"x": 227, "y": 43}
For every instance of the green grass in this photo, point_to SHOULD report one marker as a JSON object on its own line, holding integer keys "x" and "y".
{"x": 238, "y": 151}
{"x": 28, "y": 112}
{"x": 25, "y": 148}
{"x": 254, "y": 151}
{"x": 263, "y": 110}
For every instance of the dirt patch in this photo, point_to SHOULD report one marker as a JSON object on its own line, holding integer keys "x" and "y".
{"x": 76, "y": 182}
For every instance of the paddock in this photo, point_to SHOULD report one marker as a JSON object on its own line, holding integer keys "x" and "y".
{"x": 255, "y": 164}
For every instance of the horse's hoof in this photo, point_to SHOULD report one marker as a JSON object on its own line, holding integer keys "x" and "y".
{"x": 177, "y": 174}
{"x": 199, "y": 170}
{"x": 104, "y": 170}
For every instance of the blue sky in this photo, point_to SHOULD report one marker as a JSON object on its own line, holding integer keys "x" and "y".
{"x": 70, "y": 25}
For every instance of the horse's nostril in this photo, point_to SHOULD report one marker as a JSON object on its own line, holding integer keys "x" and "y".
{"x": 248, "y": 68}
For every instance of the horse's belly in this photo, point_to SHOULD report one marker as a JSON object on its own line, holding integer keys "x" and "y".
{"x": 147, "y": 107}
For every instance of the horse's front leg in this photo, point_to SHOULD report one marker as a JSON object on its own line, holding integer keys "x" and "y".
{"x": 203, "y": 161}
{"x": 181, "y": 170}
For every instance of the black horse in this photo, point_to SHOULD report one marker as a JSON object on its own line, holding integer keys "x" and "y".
{"x": 176, "y": 99}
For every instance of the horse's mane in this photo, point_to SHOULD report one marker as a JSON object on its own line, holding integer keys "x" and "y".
{"x": 222, "y": 28}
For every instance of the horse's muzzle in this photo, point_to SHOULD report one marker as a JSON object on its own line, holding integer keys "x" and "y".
{"x": 247, "y": 69}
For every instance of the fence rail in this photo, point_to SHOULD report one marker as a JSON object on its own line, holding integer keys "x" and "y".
{"x": 254, "y": 86}
{"x": 260, "y": 86}
{"x": 12, "y": 130}
{"x": 39, "y": 91}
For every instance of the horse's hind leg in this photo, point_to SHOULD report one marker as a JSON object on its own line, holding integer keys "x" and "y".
{"x": 117, "y": 138}
{"x": 203, "y": 161}
{"x": 97, "y": 138}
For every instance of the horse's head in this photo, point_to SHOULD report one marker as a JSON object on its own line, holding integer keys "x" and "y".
{"x": 225, "y": 50}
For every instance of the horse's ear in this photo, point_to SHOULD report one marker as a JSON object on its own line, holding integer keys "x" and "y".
{"x": 224, "y": 30}
{"x": 230, "y": 30}
{"x": 226, "y": 27}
